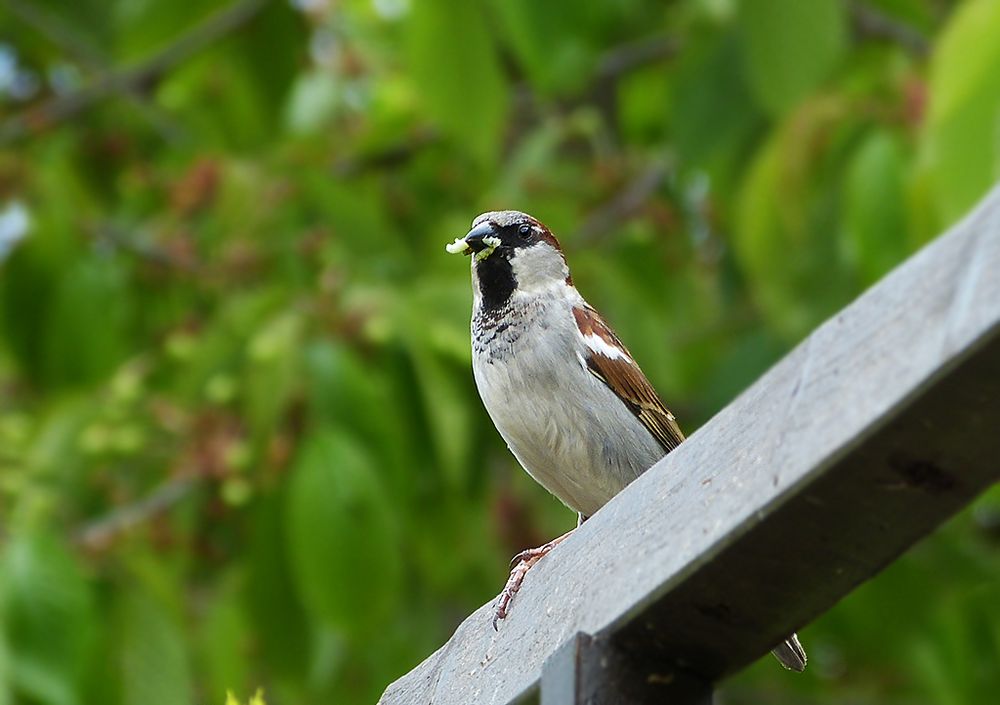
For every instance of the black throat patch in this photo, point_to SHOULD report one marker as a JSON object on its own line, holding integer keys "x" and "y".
{"x": 496, "y": 281}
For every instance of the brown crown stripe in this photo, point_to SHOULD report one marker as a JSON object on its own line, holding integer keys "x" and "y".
{"x": 548, "y": 237}
{"x": 503, "y": 219}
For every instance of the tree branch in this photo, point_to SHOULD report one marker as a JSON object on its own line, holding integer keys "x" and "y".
{"x": 62, "y": 108}
{"x": 636, "y": 55}
{"x": 68, "y": 42}
{"x": 872, "y": 22}
{"x": 102, "y": 531}
{"x": 624, "y": 204}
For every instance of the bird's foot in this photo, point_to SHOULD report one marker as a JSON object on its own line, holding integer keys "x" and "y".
{"x": 533, "y": 554}
{"x": 521, "y": 563}
{"x": 511, "y": 587}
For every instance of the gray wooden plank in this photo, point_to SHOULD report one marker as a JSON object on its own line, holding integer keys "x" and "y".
{"x": 863, "y": 439}
{"x": 592, "y": 671}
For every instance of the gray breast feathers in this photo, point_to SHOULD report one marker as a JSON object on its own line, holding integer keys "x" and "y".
{"x": 566, "y": 428}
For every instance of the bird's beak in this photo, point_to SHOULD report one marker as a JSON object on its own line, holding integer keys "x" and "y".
{"x": 481, "y": 241}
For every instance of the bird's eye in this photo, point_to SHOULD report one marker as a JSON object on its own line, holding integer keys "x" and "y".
{"x": 524, "y": 231}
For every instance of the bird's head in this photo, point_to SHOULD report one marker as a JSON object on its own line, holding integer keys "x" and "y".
{"x": 512, "y": 251}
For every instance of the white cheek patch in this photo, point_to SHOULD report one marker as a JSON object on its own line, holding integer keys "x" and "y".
{"x": 539, "y": 267}
{"x": 601, "y": 347}
{"x": 491, "y": 243}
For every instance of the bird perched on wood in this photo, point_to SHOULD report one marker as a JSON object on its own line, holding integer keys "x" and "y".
{"x": 566, "y": 395}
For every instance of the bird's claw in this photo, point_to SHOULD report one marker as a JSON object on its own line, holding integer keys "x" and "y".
{"x": 530, "y": 553}
{"x": 521, "y": 564}
{"x": 513, "y": 584}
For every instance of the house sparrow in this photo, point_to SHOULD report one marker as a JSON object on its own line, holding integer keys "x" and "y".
{"x": 566, "y": 395}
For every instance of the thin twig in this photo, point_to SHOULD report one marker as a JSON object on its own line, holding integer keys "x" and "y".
{"x": 102, "y": 531}
{"x": 636, "y": 55}
{"x": 390, "y": 157}
{"x": 618, "y": 62}
{"x": 116, "y": 239}
{"x": 56, "y": 32}
{"x": 624, "y": 204}
{"x": 871, "y": 22}
{"x": 140, "y": 77}
{"x": 67, "y": 41}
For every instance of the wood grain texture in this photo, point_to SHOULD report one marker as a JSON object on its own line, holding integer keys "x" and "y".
{"x": 863, "y": 439}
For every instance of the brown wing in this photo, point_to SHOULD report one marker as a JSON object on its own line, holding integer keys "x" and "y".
{"x": 612, "y": 363}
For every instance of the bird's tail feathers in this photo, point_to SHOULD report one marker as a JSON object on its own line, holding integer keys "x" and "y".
{"x": 790, "y": 654}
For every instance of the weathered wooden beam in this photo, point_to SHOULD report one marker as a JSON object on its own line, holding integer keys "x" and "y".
{"x": 590, "y": 670}
{"x": 873, "y": 431}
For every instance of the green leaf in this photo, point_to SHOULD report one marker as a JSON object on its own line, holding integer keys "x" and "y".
{"x": 279, "y": 623}
{"x": 272, "y": 48}
{"x": 875, "y": 227}
{"x": 63, "y": 309}
{"x": 6, "y": 686}
{"x": 445, "y": 405}
{"x": 788, "y": 220}
{"x": 457, "y": 72}
{"x": 224, "y": 636}
{"x": 144, "y": 27}
{"x": 714, "y": 111}
{"x": 549, "y": 41}
{"x": 341, "y": 534}
{"x": 47, "y": 620}
{"x": 949, "y": 662}
{"x": 962, "y": 138}
{"x": 85, "y": 331}
{"x": 356, "y": 397}
{"x": 152, "y": 653}
{"x": 790, "y": 47}
{"x": 272, "y": 372}
{"x": 357, "y": 213}
{"x": 87, "y": 21}
{"x": 218, "y": 101}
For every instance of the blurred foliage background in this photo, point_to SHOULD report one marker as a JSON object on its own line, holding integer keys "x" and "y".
{"x": 240, "y": 443}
